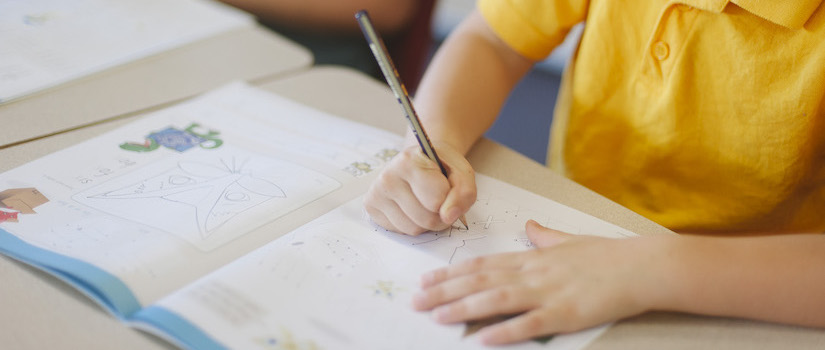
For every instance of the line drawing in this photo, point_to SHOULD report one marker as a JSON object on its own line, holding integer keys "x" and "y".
{"x": 457, "y": 242}
{"x": 208, "y": 197}
{"x": 514, "y": 212}
{"x": 216, "y": 193}
{"x": 486, "y": 200}
{"x": 490, "y": 221}
{"x": 524, "y": 241}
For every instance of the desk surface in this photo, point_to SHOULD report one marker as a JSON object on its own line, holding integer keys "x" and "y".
{"x": 249, "y": 53}
{"x": 40, "y": 311}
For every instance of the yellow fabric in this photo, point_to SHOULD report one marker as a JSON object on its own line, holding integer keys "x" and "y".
{"x": 702, "y": 115}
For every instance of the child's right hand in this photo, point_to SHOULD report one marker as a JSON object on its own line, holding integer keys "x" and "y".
{"x": 412, "y": 196}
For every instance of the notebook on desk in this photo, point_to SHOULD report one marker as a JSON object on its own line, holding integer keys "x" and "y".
{"x": 69, "y": 64}
{"x": 50, "y": 42}
{"x": 234, "y": 220}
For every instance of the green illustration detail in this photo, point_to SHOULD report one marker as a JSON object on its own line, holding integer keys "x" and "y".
{"x": 148, "y": 146}
{"x": 176, "y": 139}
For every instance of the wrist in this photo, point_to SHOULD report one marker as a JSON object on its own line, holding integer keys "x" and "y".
{"x": 663, "y": 276}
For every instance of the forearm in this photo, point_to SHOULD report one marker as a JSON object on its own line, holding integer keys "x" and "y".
{"x": 772, "y": 278}
{"x": 324, "y": 15}
{"x": 466, "y": 84}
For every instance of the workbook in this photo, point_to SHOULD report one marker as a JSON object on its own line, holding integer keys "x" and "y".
{"x": 49, "y": 42}
{"x": 235, "y": 220}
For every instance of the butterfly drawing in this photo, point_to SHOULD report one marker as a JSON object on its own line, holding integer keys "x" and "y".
{"x": 216, "y": 192}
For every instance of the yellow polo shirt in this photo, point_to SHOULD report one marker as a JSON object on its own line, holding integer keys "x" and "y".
{"x": 702, "y": 115}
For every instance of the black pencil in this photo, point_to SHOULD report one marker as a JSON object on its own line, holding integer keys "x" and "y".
{"x": 394, "y": 80}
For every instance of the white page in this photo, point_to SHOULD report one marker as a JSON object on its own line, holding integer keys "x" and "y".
{"x": 159, "y": 219}
{"x": 49, "y": 42}
{"x": 341, "y": 282}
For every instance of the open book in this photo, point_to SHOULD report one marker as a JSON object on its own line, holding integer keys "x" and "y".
{"x": 50, "y": 42}
{"x": 234, "y": 220}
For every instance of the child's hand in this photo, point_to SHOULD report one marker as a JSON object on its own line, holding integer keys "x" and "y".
{"x": 569, "y": 283}
{"x": 412, "y": 195}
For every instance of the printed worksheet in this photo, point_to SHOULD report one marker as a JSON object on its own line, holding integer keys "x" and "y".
{"x": 161, "y": 201}
{"x": 49, "y": 42}
{"x": 234, "y": 220}
{"x": 342, "y": 282}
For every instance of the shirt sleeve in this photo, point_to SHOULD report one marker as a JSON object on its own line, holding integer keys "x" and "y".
{"x": 532, "y": 28}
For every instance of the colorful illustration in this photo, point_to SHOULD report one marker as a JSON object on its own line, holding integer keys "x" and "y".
{"x": 23, "y": 200}
{"x": 8, "y": 215}
{"x": 285, "y": 341}
{"x": 385, "y": 289}
{"x": 358, "y": 168}
{"x": 386, "y": 154}
{"x": 38, "y": 19}
{"x": 176, "y": 139}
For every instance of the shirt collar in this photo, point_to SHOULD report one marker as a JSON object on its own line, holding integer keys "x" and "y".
{"x": 788, "y": 13}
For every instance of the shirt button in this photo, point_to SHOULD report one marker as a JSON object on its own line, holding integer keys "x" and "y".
{"x": 661, "y": 50}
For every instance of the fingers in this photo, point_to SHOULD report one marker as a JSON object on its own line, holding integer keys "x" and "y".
{"x": 407, "y": 195}
{"x": 391, "y": 217}
{"x": 507, "y": 299}
{"x": 412, "y": 196}
{"x": 427, "y": 183}
{"x": 544, "y": 237}
{"x": 499, "y": 261}
{"x": 462, "y": 193}
{"x": 538, "y": 322}
{"x": 404, "y": 206}
{"x": 454, "y": 289}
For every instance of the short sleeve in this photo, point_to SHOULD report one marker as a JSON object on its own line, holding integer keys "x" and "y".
{"x": 532, "y": 28}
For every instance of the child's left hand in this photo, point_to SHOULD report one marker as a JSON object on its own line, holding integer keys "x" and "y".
{"x": 569, "y": 283}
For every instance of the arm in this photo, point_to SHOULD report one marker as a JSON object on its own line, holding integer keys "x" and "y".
{"x": 467, "y": 83}
{"x": 771, "y": 278}
{"x": 574, "y": 282}
{"x": 323, "y": 15}
{"x": 458, "y": 99}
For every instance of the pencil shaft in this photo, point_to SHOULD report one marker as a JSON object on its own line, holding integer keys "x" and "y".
{"x": 379, "y": 50}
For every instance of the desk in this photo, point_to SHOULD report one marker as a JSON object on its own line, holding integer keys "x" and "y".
{"x": 41, "y": 312}
{"x": 248, "y": 53}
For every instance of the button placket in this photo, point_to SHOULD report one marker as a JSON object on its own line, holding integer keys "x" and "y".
{"x": 661, "y": 50}
{"x": 674, "y": 24}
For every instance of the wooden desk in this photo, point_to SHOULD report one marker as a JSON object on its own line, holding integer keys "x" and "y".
{"x": 249, "y": 53}
{"x": 42, "y": 312}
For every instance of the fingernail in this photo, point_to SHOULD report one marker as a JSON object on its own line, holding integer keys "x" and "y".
{"x": 427, "y": 279}
{"x": 487, "y": 337}
{"x": 419, "y": 300}
{"x": 441, "y": 314}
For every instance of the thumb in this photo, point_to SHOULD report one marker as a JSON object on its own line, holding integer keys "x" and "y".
{"x": 463, "y": 190}
{"x": 544, "y": 237}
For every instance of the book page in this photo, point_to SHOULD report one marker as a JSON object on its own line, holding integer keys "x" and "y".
{"x": 342, "y": 282}
{"x": 49, "y": 42}
{"x": 162, "y": 201}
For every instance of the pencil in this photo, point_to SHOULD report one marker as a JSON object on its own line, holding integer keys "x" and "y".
{"x": 394, "y": 80}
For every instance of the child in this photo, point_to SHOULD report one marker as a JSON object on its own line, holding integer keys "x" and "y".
{"x": 707, "y": 117}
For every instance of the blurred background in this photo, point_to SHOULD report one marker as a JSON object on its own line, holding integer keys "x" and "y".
{"x": 413, "y": 30}
{"x": 524, "y": 122}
